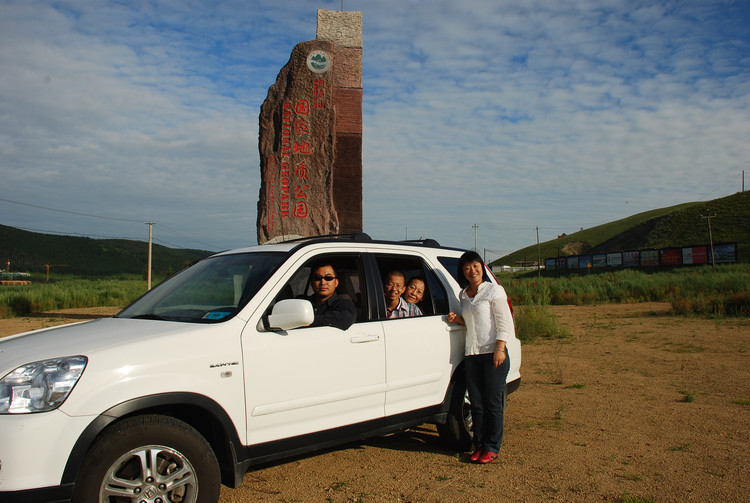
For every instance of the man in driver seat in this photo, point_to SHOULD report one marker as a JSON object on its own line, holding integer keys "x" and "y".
{"x": 331, "y": 309}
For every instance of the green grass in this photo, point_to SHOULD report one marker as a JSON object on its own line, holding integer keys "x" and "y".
{"x": 681, "y": 448}
{"x": 69, "y": 292}
{"x": 687, "y": 397}
{"x": 536, "y": 321}
{"x": 705, "y": 291}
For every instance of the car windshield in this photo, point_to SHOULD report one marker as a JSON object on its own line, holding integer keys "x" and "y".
{"x": 210, "y": 291}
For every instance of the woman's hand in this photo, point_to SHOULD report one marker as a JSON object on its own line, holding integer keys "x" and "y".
{"x": 499, "y": 356}
{"x": 456, "y": 318}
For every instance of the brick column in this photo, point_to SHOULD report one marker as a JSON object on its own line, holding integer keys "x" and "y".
{"x": 344, "y": 29}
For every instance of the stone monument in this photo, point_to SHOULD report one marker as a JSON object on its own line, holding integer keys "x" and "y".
{"x": 310, "y": 136}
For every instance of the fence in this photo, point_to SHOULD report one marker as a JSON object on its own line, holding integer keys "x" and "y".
{"x": 723, "y": 253}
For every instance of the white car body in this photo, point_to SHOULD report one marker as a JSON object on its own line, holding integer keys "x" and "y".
{"x": 267, "y": 393}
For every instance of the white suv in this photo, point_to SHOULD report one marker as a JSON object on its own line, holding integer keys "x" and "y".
{"x": 215, "y": 370}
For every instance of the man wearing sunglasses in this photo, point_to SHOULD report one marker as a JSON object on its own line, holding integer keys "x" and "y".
{"x": 331, "y": 310}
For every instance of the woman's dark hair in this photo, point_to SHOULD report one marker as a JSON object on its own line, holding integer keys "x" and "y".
{"x": 468, "y": 258}
{"x": 420, "y": 278}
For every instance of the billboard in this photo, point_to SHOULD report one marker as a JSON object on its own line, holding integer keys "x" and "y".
{"x": 600, "y": 260}
{"x": 699, "y": 254}
{"x": 614, "y": 259}
{"x": 671, "y": 256}
{"x": 631, "y": 258}
{"x": 585, "y": 261}
{"x": 650, "y": 258}
{"x": 725, "y": 253}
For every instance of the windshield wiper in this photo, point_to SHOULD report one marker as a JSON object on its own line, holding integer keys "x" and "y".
{"x": 148, "y": 317}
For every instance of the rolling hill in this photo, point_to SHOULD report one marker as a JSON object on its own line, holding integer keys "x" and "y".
{"x": 674, "y": 226}
{"x": 31, "y": 252}
{"x": 681, "y": 225}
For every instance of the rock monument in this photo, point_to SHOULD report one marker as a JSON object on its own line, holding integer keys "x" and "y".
{"x": 310, "y": 136}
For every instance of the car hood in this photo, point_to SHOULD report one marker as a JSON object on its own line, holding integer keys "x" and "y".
{"x": 85, "y": 338}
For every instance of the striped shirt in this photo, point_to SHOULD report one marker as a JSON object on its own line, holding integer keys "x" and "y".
{"x": 404, "y": 310}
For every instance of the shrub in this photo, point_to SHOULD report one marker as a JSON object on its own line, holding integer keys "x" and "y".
{"x": 537, "y": 321}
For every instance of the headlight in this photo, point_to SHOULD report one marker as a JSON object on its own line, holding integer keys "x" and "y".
{"x": 40, "y": 386}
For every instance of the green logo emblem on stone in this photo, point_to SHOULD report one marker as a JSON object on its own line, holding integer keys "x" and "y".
{"x": 319, "y": 61}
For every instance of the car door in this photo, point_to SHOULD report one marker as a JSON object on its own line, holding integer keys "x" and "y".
{"x": 313, "y": 379}
{"x": 420, "y": 352}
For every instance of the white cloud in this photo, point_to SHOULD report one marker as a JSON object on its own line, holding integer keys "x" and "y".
{"x": 507, "y": 114}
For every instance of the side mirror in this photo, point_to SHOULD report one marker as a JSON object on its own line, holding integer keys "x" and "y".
{"x": 291, "y": 313}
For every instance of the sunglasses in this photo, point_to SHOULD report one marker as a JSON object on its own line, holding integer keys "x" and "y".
{"x": 327, "y": 277}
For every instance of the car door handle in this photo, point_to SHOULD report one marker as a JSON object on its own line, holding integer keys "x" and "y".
{"x": 359, "y": 339}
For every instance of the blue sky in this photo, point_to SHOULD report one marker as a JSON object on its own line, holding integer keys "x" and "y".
{"x": 509, "y": 115}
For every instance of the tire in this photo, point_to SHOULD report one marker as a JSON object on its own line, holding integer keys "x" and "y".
{"x": 149, "y": 458}
{"x": 456, "y": 431}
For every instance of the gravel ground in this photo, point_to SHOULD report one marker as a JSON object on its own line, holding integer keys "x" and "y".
{"x": 636, "y": 406}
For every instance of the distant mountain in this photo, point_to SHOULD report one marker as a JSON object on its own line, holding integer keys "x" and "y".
{"x": 681, "y": 225}
{"x": 31, "y": 252}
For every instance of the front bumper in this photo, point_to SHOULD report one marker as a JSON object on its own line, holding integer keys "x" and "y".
{"x": 34, "y": 450}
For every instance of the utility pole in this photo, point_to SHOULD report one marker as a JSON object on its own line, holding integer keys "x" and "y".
{"x": 475, "y": 227}
{"x": 711, "y": 238}
{"x": 538, "y": 254}
{"x": 148, "y": 272}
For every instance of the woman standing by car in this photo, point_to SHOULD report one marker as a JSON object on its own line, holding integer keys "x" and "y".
{"x": 489, "y": 325}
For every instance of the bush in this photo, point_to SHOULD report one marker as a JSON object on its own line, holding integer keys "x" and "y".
{"x": 19, "y": 305}
{"x": 537, "y": 321}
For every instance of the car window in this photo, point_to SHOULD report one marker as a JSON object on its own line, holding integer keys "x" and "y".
{"x": 434, "y": 300}
{"x": 212, "y": 290}
{"x": 451, "y": 265}
{"x": 438, "y": 293}
{"x": 348, "y": 269}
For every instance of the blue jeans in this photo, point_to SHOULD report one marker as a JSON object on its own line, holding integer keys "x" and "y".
{"x": 486, "y": 385}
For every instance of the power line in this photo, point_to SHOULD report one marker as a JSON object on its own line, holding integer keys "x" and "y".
{"x": 162, "y": 226}
{"x": 59, "y": 233}
{"x": 129, "y": 220}
{"x": 102, "y": 236}
{"x": 730, "y": 180}
{"x": 69, "y": 212}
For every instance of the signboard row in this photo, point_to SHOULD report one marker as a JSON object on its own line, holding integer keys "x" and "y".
{"x": 725, "y": 253}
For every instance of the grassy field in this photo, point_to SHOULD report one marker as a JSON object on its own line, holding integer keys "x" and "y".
{"x": 718, "y": 292}
{"x": 706, "y": 291}
{"x": 66, "y": 292}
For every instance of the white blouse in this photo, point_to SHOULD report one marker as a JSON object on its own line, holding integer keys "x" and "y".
{"x": 487, "y": 317}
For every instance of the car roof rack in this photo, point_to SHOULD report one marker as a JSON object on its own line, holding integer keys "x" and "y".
{"x": 423, "y": 241}
{"x": 360, "y": 237}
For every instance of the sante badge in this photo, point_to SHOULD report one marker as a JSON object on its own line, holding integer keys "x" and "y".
{"x": 319, "y": 61}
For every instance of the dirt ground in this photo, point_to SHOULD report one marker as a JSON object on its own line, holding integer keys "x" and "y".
{"x": 636, "y": 406}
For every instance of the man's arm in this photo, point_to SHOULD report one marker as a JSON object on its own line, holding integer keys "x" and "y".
{"x": 340, "y": 313}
